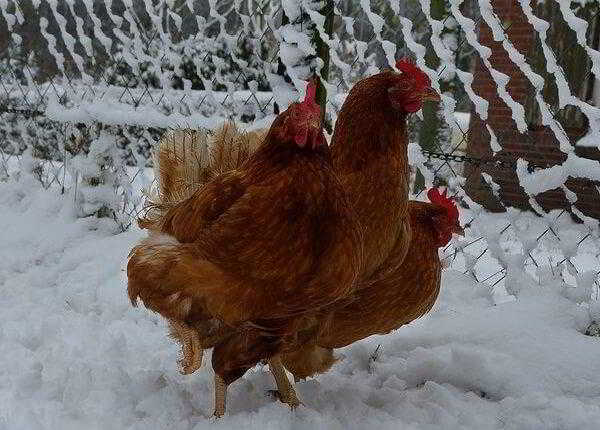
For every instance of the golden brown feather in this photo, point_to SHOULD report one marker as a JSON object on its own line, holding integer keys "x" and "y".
{"x": 384, "y": 302}
{"x": 184, "y": 162}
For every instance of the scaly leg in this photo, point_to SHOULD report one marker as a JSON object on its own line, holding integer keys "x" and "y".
{"x": 220, "y": 396}
{"x": 286, "y": 392}
{"x": 190, "y": 346}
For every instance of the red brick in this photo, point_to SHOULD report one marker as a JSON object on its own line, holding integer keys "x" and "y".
{"x": 540, "y": 146}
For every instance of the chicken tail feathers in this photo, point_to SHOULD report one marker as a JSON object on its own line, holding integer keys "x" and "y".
{"x": 230, "y": 147}
{"x": 181, "y": 166}
{"x": 187, "y": 159}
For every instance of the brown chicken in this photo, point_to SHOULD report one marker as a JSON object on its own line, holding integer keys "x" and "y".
{"x": 244, "y": 262}
{"x": 388, "y": 302}
{"x": 369, "y": 151}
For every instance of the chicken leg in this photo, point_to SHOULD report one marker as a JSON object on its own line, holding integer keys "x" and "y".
{"x": 285, "y": 390}
{"x": 220, "y": 397}
{"x": 191, "y": 348}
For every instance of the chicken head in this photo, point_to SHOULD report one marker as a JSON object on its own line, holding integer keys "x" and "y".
{"x": 301, "y": 123}
{"x": 412, "y": 89}
{"x": 446, "y": 221}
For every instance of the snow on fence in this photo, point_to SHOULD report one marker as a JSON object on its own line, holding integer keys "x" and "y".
{"x": 88, "y": 87}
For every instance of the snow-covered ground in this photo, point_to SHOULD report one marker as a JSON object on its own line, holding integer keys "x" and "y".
{"x": 74, "y": 354}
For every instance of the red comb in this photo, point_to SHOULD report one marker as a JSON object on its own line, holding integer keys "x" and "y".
{"x": 406, "y": 65}
{"x": 444, "y": 201}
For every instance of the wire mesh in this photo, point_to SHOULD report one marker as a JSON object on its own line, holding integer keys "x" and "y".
{"x": 72, "y": 71}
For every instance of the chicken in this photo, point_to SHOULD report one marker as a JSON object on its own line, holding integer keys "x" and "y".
{"x": 243, "y": 263}
{"x": 369, "y": 152}
{"x": 389, "y": 302}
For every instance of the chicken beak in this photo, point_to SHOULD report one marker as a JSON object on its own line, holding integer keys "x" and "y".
{"x": 429, "y": 94}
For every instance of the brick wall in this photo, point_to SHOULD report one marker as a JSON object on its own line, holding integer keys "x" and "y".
{"x": 538, "y": 145}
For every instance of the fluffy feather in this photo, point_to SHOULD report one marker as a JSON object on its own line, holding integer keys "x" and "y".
{"x": 187, "y": 159}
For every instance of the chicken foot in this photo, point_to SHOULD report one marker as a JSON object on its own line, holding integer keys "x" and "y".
{"x": 285, "y": 390}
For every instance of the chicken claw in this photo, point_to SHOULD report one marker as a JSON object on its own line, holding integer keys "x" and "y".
{"x": 285, "y": 390}
{"x": 292, "y": 403}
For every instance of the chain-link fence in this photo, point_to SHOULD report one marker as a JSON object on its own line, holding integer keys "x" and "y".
{"x": 87, "y": 88}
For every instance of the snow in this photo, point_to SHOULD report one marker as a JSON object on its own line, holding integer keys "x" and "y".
{"x": 113, "y": 107}
{"x": 459, "y": 132}
{"x": 590, "y": 140}
{"x": 292, "y": 9}
{"x": 580, "y": 26}
{"x": 75, "y": 354}
{"x": 555, "y": 176}
{"x": 448, "y": 67}
{"x": 378, "y": 22}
